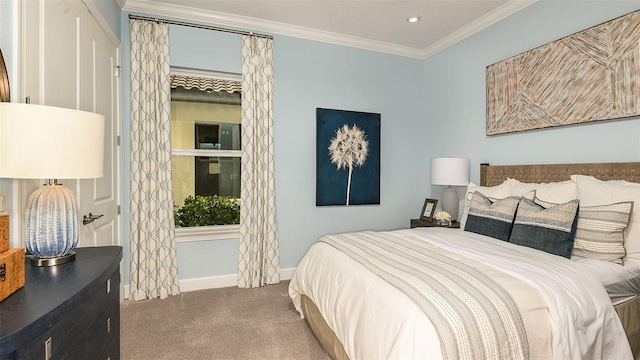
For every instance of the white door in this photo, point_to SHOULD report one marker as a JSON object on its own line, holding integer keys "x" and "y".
{"x": 71, "y": 61}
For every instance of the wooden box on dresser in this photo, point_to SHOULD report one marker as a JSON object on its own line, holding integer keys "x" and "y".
{"x": 68, "y": 311}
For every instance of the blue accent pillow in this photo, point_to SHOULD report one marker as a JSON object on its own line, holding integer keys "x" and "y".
{"x": 551, "y": 229}
{"x": 489, "y": 218}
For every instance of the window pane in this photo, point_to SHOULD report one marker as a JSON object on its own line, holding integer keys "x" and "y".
{"x": 196, "y": 124}
{"x": 203, "y": 175}
{"x": 206, "y": 190}
{"x": 217, "y": 136}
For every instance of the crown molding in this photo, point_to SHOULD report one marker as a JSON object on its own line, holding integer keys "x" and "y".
{"x": 248, "y": 23}
{"x": 150, "y": 8}
{"x": 484, "y": 22}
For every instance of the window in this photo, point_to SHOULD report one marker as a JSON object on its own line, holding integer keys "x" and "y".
{"x": 206, "y": 144}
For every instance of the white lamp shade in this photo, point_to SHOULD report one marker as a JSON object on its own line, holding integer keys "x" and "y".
{"x": 46, "y": 142}
{"x": 450, "y": 171}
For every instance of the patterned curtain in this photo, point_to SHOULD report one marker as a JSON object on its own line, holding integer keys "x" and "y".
{"x": 154, "y": 271}
{"x": 259, "y": 262}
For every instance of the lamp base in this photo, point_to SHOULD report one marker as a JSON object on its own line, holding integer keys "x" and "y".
{"x": 51, "y": 220}
{"x": 53, "y": 261}
{"x": 450, "y": 202}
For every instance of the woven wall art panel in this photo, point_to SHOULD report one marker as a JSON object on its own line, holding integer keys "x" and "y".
{"x": 588, "y": 76}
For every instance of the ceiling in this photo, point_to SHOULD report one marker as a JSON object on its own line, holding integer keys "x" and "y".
{"x": 375, "y": 25}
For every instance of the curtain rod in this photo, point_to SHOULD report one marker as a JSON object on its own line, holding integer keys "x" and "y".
{"x": 205, "y": 27}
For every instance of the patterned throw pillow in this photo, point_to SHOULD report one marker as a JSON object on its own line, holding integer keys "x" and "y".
{"x": 592, "y": 192}
{"x": 492, "y": 192}
{"x": 489, "y": 218}
{"x": 600, "y": 232}
{"x": 551, "y": 230}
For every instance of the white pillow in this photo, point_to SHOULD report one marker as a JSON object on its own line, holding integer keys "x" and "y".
{"x": 554, "y": 192}
{"x": 592, "y": 192}
{"x": 493, "y": 192}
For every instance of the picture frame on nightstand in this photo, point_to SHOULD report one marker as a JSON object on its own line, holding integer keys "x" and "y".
{"x": 428, "y": 209}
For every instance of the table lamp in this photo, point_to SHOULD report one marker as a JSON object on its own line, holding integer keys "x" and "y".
{"x": 45, "y": 142}
{"x": 450, "y": 172}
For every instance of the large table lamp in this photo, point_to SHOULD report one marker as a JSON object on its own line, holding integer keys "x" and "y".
{"x": 450, "y": 172}
{"x": 50, "y": 143}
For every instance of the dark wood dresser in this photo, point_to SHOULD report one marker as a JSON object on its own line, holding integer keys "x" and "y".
{"x": 68, "y": 311}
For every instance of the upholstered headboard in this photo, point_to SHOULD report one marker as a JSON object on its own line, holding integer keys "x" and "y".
{"x": 491, "y": 175}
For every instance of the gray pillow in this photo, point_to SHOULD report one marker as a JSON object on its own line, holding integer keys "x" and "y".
{"x": 549, "y": 229}
{"x": 489, "y": 218}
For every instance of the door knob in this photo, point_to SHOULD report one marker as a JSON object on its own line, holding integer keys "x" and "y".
{"x": 88, "y": 219}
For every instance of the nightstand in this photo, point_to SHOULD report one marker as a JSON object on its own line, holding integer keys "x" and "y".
{"x": 421, "y": 223}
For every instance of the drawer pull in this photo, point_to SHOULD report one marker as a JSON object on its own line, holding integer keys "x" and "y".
{"x": 108, "y": 325}
{"x": 47, "y": 349}
{"x": 108, "y": 286}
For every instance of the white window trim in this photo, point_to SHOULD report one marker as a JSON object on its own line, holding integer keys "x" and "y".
{"x": 217, "y": 232}
{"x": 217, "y": 75}
{"x": 207, "y": 233}
{"x": 207, "y": 152}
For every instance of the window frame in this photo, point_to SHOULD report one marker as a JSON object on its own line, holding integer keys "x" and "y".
{"x": 213, "y": 232}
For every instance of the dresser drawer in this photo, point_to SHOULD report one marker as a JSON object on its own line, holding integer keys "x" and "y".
{"x": 61, "y": 338}
{"x": 99, "y": 335}
{"x": 112, "y": 352}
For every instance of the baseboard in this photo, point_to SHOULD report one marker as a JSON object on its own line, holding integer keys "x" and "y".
{"x": 287, "y": 274}
{"x": 214, "y": 282}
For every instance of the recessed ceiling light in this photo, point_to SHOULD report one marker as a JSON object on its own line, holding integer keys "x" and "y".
{"x": 413, "y": 19}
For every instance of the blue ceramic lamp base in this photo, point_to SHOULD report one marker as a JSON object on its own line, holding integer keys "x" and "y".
{"x": 51, "y": 230}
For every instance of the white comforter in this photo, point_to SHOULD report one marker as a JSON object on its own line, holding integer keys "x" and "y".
{"x": 374, "y": 320}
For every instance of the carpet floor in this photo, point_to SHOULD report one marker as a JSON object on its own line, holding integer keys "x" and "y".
{"x": 227, "y": 323}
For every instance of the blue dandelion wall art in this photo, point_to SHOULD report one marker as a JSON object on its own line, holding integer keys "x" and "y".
{"x": 347, "y": 158}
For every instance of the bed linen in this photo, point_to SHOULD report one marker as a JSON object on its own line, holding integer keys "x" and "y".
{"x": 474, "y": 317}
{"x": 628, "y": 312}
{"x": 345, "y": 298}
{"x": 622, "y": 282}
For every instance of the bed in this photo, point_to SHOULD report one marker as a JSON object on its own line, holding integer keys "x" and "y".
{"x": 361, "y": 305}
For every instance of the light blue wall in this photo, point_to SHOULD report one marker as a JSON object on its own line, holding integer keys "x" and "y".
{"x": 455, "y": 92}
{"x": 110, "y": 11}
{"x": 308, "y": 75}
{"x": 312, "y": 74}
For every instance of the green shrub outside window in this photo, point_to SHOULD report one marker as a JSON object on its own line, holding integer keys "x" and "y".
{"x": 208, "y": 210}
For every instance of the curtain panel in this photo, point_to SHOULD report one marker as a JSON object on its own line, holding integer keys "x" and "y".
{"x": 154, "y": 271}
{"x": 259, "y": 253}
